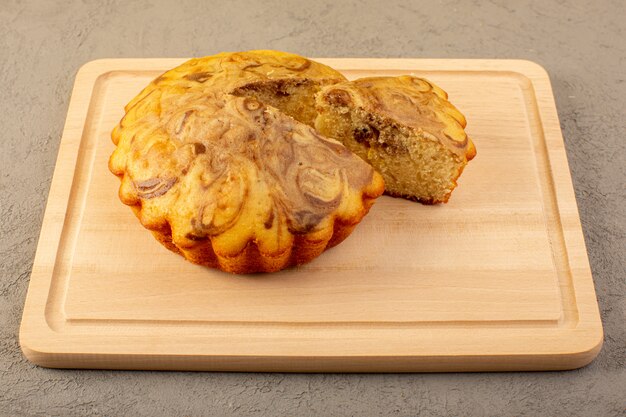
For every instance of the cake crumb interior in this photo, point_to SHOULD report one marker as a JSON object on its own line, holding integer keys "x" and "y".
{"x": 413, "y": 165}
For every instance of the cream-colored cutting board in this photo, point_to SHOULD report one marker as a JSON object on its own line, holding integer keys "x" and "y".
{"x": 497, "y": 279}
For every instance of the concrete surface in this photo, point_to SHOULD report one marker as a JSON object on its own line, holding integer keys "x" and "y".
{"x": 580, "y": 43}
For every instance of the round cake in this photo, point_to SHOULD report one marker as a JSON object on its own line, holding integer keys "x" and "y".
{"x": 218, "y": 159}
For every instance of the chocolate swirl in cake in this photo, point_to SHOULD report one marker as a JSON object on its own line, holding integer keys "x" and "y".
{"x": 224, "y": 143}
{"x": 411, "y": 101}
{"x": 215, "y": 166}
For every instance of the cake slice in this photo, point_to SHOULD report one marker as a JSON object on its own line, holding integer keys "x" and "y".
{"x": 404, "y": 127}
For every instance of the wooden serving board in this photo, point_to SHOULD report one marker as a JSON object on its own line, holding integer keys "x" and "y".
{"x": 497, "y": 279}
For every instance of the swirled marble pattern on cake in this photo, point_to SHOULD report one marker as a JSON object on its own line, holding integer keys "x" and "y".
{"x": 230, "y": 182}
{"x": 410, "y": 101}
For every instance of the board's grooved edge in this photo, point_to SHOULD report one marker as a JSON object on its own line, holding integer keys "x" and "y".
{"x": 551, "y": 213}
{"x": 311, "y": 324}
{"x": 55, "y": 312}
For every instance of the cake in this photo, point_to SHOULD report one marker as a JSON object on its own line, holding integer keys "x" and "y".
{"x": 218, "y": 159}
{"x": 405, "y": 127}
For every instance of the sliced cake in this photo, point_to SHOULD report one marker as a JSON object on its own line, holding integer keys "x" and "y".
{"x": 404, "y": 127}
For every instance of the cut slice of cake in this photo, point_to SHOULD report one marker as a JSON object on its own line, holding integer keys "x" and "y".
{"x": 404, "y": 127}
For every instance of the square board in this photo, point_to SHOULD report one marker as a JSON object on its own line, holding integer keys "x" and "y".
{"x": 497, "y": 279}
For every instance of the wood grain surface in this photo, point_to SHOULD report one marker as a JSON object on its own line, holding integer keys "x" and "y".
{"x": 497, "y": 279}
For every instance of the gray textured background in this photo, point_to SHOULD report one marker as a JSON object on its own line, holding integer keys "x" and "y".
{"x": 581, "y": 44}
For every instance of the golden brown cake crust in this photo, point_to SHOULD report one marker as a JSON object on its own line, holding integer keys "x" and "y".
{"x": 229, "y": 182}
